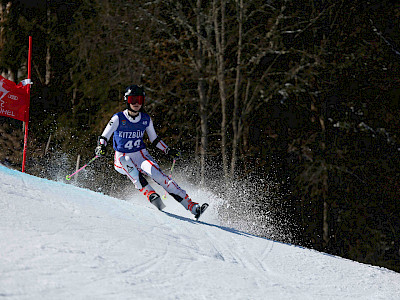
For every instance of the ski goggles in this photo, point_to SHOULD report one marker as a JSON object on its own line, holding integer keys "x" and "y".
{"x": 135, "y": 99}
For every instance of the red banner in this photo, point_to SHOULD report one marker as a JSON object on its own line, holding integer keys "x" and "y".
{"x": 14, "y": 100}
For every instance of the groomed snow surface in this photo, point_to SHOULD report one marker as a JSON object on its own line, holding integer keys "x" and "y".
{"x": 58, "y": 241}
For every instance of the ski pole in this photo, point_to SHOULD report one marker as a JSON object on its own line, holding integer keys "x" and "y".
{"x": 92, "y": 160}
{"x": 172, "y": 168}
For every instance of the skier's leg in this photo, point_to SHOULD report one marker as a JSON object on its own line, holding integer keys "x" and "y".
{"x": 151, "y": 194}
{"x": 123, "y": 164}
{"x": 147, "y": 189}
{"x": 187, "y": 203}
{"x": 150, "y": 167}
{"x": 117, "y": 163}
{"x": 130, "y": 170}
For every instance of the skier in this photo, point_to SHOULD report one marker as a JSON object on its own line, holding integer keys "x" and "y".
{"x": 131, "y": 156}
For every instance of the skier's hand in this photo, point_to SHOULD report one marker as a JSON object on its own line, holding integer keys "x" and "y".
{"x": 175, "y": 154}
{"x": 100, "y": 150}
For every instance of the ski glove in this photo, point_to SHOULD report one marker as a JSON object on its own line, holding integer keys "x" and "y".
{"x": 100, "y": 150}
{"x": 175, "y": 154}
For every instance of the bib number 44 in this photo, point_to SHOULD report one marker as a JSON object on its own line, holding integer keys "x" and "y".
{"x": 132, "y": 144}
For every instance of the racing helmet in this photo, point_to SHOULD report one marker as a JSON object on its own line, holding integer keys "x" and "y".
{"x": 134, "y": 94}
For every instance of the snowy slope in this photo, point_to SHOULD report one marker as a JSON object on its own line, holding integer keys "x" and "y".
{"x": 58, "y": 241}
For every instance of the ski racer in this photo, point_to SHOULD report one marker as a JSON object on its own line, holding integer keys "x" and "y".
{"x": 131, "y": 156}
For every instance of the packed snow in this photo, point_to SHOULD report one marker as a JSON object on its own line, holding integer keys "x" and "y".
{"x": 58, "y": 241}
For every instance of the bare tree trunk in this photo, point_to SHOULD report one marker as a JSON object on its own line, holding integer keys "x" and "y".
{"x": 78, "y": 159}
{"x": 48, "y": 67}
{"x": 235, "y": 117}
{"x": 204, "y": 128}
{"x": 2, "y": 16}
{"x": 4, "y": 10}
{"x": 219, "y": 27}
{"x": 325, "y": 215}
{"x": 48, "y": 56}
{"x": 325, "y": 184}
{"x": 47, "y": 146}
{"x": 201, "y": 86}
{"x": 324, "y": 173}
{"x": 326, "y": 224}
{"x": 245, "y": 130}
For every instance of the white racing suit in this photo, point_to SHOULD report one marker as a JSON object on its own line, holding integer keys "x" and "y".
{"x": 132, "y": 158}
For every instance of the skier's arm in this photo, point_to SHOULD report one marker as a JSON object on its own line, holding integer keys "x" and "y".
{"x": 105, "y": 136}
{"x": 109, "y": 130}
{"x": 154, "y": 139}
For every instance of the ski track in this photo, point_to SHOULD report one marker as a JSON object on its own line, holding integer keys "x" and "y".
{"x": 61, "y": 242}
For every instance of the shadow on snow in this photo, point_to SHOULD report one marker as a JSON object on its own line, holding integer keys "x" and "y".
{"x": 231, "y": 230}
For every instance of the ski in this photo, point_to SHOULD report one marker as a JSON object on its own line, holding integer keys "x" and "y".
{"x": 201, "y": 211}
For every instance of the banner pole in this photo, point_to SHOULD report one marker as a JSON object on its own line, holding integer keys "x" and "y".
{"x": 27, "y": 112}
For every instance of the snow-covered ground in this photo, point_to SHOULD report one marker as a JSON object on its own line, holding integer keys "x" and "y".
{"x": 58, "y": 241}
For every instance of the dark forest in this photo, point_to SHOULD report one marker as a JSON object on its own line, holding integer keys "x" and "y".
{"x": 296, "y": 102}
